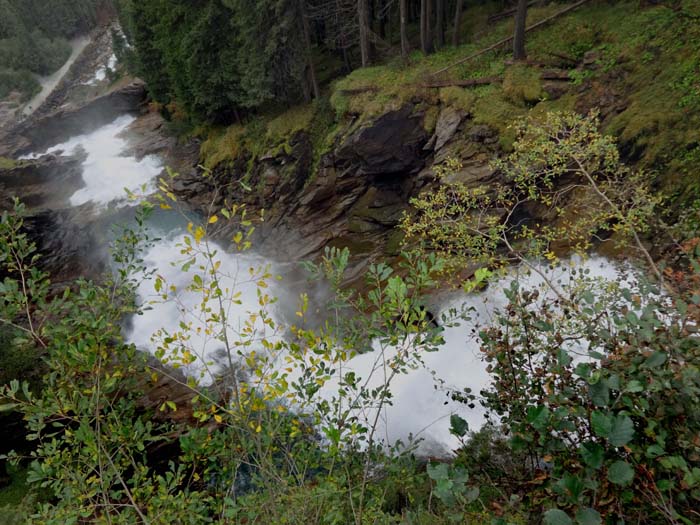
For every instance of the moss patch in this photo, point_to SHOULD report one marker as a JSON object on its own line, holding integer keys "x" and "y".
{"x": 222, "y": 145}
{"x": 457, "y": 97}
{"x": 656, "y": 71}
{"x": 430, "y": 118}
{"x": 17, "y": 502}
{"x": 284, "y": 126}
{"x": 494, "y": 109}
{"x": 522, "y": 84}
{"x": 7, "y": 164}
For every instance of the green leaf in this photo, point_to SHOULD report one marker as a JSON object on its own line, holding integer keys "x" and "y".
{"x": 538, "y": 416}
{"x": 592, "y": 454}
{"x": 654, "y": 451}
{"x": 557, "y": 517}
{"x": 588, "y": 516}
{"x": 620, "y": 473}
{"x": 583, "y": 370}
{"x": 438, "y": 472}
{"x": 622, "y": 431}
{"x": 458, "y": 426}
{"x": 602, "y": 424}
{"x": 655, "y": 359}
{"x": 600, "y": 393}
{"x": 572, "y": 487}
{"x": 634, "y": 386}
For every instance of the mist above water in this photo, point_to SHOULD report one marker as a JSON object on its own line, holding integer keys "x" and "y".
{"x": 421, "y": 402}
{"x": 107, "y": 171}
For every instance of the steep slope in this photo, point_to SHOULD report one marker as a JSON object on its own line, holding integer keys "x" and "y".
{"x": 341, "y": 171}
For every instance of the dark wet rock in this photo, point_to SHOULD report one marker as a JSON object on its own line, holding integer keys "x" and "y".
{"x": 473, "y": 173}
{"x": 555, "y": 89}
{"x": 481, "y": 133}
{"x": 605, "y": 95}
{"x": 47, "y": 182}
{"x": 68, "y": 243}
{"x": 391, "y": 144}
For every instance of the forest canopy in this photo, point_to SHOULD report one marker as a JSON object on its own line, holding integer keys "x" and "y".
{"x": 215, "y": 57}
{"x": 34, "y": 38}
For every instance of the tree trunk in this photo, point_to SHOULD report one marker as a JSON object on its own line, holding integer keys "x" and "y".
{"x": 404, "y": 36}
{"x": 423, "y": 35}
{"x": 363, "y": 19}
{"x": 383, "y": 19}
{"x": 519, "y": 35}
{"x": 429, "y": 25}
{"x": 458, "y": 23}
{"x": 440, "y": 23}
{"x": 307, "y": 41}
{"x": 426, "y": 36}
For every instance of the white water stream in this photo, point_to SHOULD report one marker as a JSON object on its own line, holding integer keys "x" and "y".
{"x": 107, "y": 172}
{"x": 421, "y": 406}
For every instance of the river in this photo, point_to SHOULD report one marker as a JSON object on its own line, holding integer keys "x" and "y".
{"x": 421, "y": 404}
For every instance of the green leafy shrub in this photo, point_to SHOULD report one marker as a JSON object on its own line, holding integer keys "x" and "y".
{"x": 601, "y": 392}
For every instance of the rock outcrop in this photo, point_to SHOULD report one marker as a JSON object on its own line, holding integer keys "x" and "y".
{"x": 355, "y": 193}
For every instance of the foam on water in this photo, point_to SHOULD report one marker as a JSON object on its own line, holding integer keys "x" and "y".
{"x": 106, "y": 171}
{"x": 421, "y": 404}
{"x": 184, "y": 305}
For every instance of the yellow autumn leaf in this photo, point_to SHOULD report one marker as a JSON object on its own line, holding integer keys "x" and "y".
{"x": 198, "y": 234}
{"x": 213, "y": 219}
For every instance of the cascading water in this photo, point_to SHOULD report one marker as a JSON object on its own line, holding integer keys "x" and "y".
{"x": 421, "y": 402}
{"x": 106, "y": 170}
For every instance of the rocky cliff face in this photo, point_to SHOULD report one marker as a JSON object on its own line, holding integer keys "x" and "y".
{"x": 67, "y": 236}
{"x": 354, "y": 195}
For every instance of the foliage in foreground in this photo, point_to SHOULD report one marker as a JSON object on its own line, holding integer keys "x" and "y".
{"x": 593, "y": 400}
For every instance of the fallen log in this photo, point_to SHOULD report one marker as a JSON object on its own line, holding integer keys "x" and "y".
{"x": 359, "y": 90}
{"x": 472, "y": 82}
{"x": 555, "y": 74}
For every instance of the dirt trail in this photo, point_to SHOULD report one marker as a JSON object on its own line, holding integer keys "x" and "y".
{"x": 49, "y": 83}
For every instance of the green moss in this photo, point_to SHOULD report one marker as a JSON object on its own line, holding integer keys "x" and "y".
{"x": 493, "y": 109}
{"x": 395, "y": 242}
{"x": 562, "y": 104}
{"x": 655, "y": 71}
{"x": 457, "y": 97}
{"x": 430, "y": 118}
{"x": 522, "y": 84}
{"x": 222, "y": 145}
{"x": 7, "y": 164}
{"x": 17, "y": 502}
{"x": 287, "y": 124}
{"x": 16, "y": 490}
